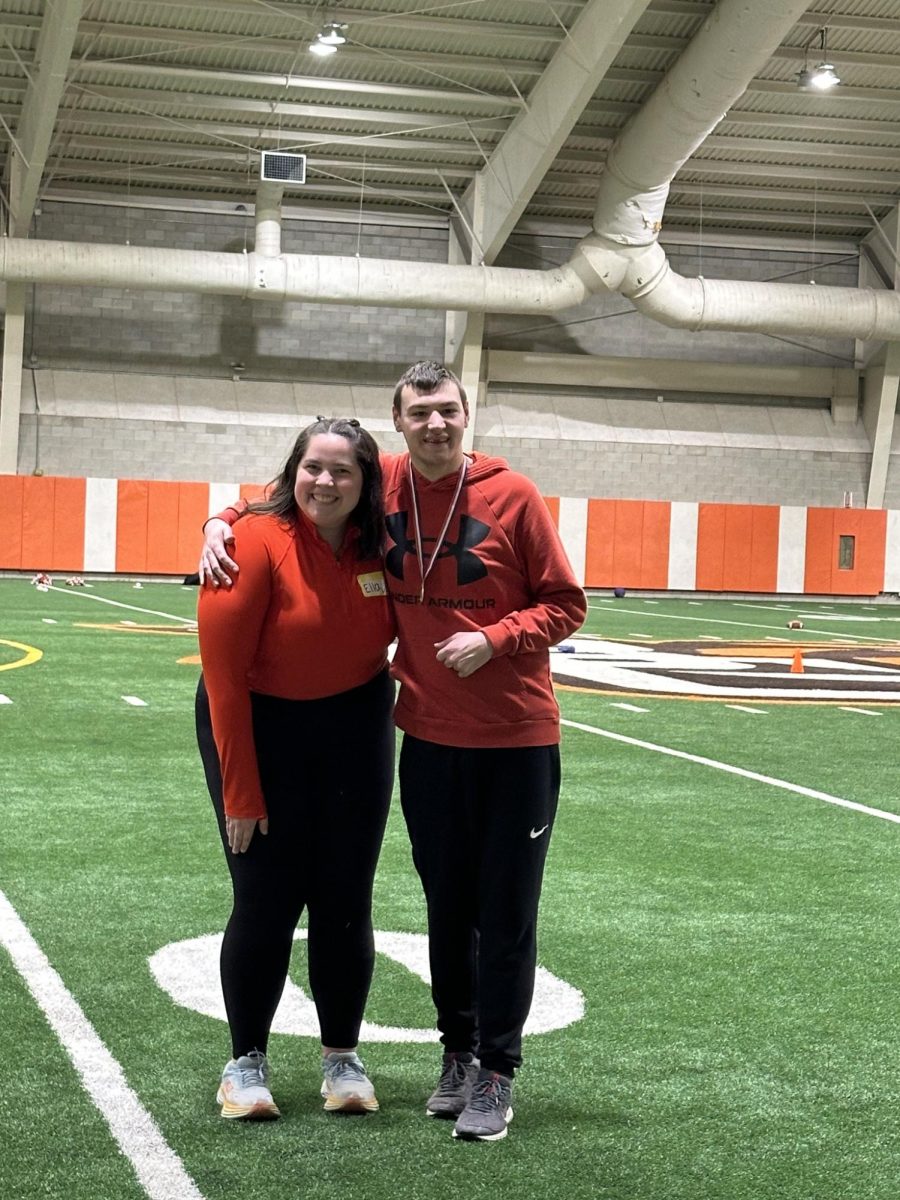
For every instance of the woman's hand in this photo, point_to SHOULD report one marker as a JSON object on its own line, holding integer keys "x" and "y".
{"x": 215, "y": 565}
{"x": 239, "y": 831}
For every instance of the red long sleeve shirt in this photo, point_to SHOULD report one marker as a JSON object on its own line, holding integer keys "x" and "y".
{"x": 298, "y": 623}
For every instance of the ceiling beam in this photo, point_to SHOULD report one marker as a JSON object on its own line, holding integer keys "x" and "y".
{"x": 521, "y": 159}
{"x": 34, "y": 130}
{"x": 427, "y": 60}
{"x": 276, "y": 108}
{"x": 200, "y": 78}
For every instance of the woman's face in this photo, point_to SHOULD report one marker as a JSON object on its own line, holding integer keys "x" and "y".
{"x": 329, "y": 482}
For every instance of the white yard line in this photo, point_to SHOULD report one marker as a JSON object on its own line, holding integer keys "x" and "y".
{"x": 5, "y": 700}
{"x": 628, "y": 707}
{"x": 757, "y": 712}
{"x": 159, "y": 1170}
{"x": 135, "y": 701}
{"x": 866, "y": 712}
{"x": 731, "y": 770}
{"x": 151, "y": 612}
{"x": 845, "y": 637}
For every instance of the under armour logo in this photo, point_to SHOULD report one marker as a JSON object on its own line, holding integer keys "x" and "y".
{"x": 469, "y": 567}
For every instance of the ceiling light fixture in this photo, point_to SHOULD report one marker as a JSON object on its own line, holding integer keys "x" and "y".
{"x": 327, "y": 40}
{"x": 822, "y": 77}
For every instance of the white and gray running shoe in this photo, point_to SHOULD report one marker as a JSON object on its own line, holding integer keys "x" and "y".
{"x": 346, "y": 1086}
{"x": 244, "y": 1090}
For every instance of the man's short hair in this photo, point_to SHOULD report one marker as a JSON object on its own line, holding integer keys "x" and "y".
{"x": 426, "y": 377}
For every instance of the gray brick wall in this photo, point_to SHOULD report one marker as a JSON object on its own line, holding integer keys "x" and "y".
{"x": 716, "y": 474}
{"x": 253, "y": 453}
{"x": 179, "y": 335}
{"x": 190, "y": 451}
{"x": 119, "y": 329}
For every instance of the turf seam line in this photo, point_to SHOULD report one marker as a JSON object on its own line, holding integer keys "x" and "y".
{"x": 158, "y": 1168}
{"x": 811, "y": 793}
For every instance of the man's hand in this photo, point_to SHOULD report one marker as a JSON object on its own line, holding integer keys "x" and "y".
{"x": 215, "y": 565}
{"x": 240, "y": 830}
{"x": 464, "y": 653}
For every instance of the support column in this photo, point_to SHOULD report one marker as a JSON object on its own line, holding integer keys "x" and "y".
{"x": 464, "y": 331}
{"x": 11, "y": 378}
{"x": 879, "y": 409}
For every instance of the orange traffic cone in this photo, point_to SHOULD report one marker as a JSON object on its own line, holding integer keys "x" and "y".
{"x": 797, "y": 663}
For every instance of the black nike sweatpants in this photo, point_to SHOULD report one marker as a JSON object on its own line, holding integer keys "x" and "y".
{"x": 326, "y": 768}
{"x": 479, "y": 821}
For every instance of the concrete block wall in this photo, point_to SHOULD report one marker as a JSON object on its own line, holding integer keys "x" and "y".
{"x": 139, "y": 385}
{"x": 118, "y": 329}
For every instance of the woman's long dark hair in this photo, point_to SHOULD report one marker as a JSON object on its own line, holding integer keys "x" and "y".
{"x": 368, "y": 516}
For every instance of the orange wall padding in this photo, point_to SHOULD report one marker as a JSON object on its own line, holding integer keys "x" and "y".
{"x": 252, "y": 491}
{"x": 627, "y": 543}
{"x": 42, "y": 522}
{"x": 552, "y": 503}
{"x": 11, "y": 521}
{"x": 42, "y": 527}
{"x": 737, "y": 548}
{"x": 824, "y": 529}
{"x": 158, "y": 526}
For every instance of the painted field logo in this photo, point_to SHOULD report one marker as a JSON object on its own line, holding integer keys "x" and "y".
{"x": 189, "y": 972}
{"x": 736, "y": 670}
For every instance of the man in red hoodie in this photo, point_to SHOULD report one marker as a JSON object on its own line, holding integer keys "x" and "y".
{"x": 482, "y": 589}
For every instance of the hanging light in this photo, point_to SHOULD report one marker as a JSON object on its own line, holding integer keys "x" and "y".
{"x": 327, "y": 40}
{"x": 820, "y": 78}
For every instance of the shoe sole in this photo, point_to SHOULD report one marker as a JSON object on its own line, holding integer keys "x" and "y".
{"x": 486, "y": 1137}
{"x": 248, "y": 1112}
{"x": 348, "y": 1104}
{"x": 447, "y": 1115}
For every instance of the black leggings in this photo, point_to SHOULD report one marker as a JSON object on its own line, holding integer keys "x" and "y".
{"x": 326, "y": 768}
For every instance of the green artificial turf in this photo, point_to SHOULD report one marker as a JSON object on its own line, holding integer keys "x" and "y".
{"x": 736, "y": 944}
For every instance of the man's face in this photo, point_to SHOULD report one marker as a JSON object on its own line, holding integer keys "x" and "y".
{"x": 433, "y": 426}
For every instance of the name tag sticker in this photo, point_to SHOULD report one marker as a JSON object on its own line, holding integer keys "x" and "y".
{"x": 372, "y": 584}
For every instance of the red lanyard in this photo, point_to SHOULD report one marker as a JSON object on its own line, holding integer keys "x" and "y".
{"x": 425, "y": 571}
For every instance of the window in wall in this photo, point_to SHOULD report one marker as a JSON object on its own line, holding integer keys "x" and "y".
{"x": 846, "y": 552}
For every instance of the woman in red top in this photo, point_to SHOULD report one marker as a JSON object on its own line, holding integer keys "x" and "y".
{"x": 294, "y": 724}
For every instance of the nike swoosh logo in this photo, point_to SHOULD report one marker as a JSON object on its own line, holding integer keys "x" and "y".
{"x": 537, "y": 832}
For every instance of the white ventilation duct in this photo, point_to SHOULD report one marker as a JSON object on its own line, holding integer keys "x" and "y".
{"x": 623, "y": 254}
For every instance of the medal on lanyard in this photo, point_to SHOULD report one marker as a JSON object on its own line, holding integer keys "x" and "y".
{"x": 425, "y": 571}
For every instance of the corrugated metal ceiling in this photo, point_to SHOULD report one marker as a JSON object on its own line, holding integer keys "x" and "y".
{"x": 171, "y": 98}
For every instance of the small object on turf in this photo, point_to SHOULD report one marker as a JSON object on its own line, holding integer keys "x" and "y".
{"x": 244, "y": 1090}
{"x": 346, "y": 1086}
{"x": 618, "y": 593}
{"x": 458, "y": 1074}
{"x": 489, "y": 1111}
{"x": 795, "y": 624}
{"x": 138, "y": 585}
{"x": 797, "y": 667}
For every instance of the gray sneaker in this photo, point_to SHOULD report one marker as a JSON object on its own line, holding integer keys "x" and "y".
{"x": 449, "y": 1098}
{"x": 244, "y": 1090}
{"x": 489, "y": 1110}
{"x": 346, "y": 1086}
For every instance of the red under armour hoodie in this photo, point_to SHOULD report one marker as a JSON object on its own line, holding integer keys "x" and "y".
{"x": 501, "y": 569}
